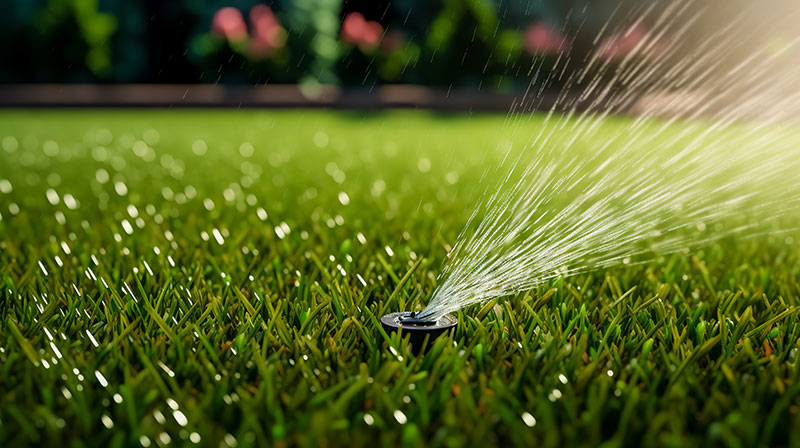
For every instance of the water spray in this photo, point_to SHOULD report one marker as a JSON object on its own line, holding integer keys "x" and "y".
{"x": 586, "y": 193}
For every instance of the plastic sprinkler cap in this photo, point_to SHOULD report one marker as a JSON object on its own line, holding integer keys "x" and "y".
{"x": 407, "y": 323}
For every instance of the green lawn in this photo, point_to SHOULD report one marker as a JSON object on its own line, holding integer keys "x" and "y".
{"x": 215, "y": 278}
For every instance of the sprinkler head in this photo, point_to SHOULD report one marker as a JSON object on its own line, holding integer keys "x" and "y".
{"x": 416, "y": 328}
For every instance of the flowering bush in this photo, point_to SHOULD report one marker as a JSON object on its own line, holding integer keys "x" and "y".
{"x": 542, "y": 38}
{"x": 267, "y": 33}
{"x": 264, "y": 37}
{"x": 228, "y": 24}
{"x": 365, "y": 34}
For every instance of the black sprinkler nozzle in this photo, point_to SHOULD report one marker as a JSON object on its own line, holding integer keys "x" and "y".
{"x": 412, "y": 319}
{"x": 407, "y": 323}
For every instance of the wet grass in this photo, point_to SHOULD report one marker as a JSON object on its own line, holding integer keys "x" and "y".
{"x": 216, "y": 278}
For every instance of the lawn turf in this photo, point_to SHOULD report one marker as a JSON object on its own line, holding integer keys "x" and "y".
{"x": 216, "y": 277}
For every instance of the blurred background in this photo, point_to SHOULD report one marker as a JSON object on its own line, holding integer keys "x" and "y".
{"x": 478, "y": 45}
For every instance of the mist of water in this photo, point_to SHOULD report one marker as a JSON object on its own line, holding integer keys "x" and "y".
{"x": 710, "y": 152}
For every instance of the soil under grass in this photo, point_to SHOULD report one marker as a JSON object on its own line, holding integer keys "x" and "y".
{"x": 217, "y": 278}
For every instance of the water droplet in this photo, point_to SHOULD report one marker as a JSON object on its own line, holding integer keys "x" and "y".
{"x": 101, "y": 175}
{"x": 321, "y": 139}
{"x": 10, "y": 144}
{"x": 230, "y": 440}
{"x": 52, "y": 196}
{"x": 451, "y": 177}
{"x": 71, "y": 202}
{"x": 50, "y": 148}
{"x": 100, "y": 378}
{"x": 528, "y": 419}
{"x": 199, "y": 147}
{"x": 180, "y": 418}
{"x": 121, "y": 188}
{"x": 424, "y": 165}
{"x": 218, "y": 236}
{"x": 247, "y": 150}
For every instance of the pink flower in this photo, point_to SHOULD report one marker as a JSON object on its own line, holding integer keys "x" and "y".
{"x": 228, "y": 23}
{"x": 541, "y": 38}
{"x": 267, "y": 33}
{"x": 352, "y": 26}
{"x": 356, "y": 30}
